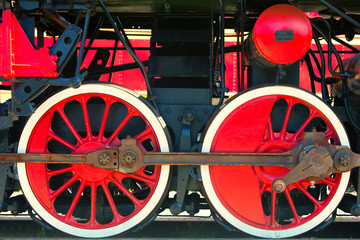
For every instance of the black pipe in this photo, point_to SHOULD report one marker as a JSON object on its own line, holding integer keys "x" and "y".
{"x": 342, "y": 74}
{"x": 316, "y": 78}
{"x": 238, "y": 60}
{"x": 346, "y": 44}
{"x": 322, "y": 73}
{"x": 113, "y": 60}
{"x": 222, "y": 53}
{"x": 132, "y": 54}
{"x": 81, "y": 51}
{"x": 124, "y": 33}
{"x": 55, "y": 20}
{"x": 340, "y": 13}
{"x": 330, "y": 46}
{"x": 311, "y": 72}
{"x": 316, "y": 60}
{"x": 93, "y": 36}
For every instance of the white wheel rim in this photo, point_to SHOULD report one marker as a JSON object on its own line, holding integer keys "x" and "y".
{"x": 158, "y": 126}
{"x": 209, "y": 136}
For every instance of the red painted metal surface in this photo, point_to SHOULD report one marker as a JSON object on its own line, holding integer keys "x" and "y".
{"x": 246, "y": 191}
{"x": 18, "y": 58}
{"x": 43, "y": 177}
{"x": 269, "y": 30}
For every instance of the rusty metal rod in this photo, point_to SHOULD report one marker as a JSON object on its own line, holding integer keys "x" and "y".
{"x": 254, "y": 159}
{"x": 42, "y": 158}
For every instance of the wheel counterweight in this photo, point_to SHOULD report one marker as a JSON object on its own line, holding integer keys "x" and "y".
{"x": 83, "y": 200}
{"x": 270, "y": 119}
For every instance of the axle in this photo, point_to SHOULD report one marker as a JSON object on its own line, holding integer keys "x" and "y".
{"x": 313, "y": 159}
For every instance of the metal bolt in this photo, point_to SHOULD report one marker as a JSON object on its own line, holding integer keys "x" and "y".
{"x": 312, "y": 184}
{"x": 189, "y": 116}
{"x": 104, "y": 159}
{"x": 279, "y": 186}
{"x": 345, "y": 160}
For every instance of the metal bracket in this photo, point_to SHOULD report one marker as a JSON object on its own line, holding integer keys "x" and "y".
{"x": 319, "y": 161}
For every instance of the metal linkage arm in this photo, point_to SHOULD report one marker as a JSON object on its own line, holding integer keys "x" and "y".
{"x": 313, "y": 159}
{"x": 129, "y": 158}
{"x": 318, "y": 161}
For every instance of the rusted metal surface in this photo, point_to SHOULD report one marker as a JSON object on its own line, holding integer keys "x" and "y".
{"x": 41, "y": 158}
{"x": 313, "y": 159}
{"x": 315, "y": 164}
{"x": 255, "y": 159}
{"x": 317, "y": 161}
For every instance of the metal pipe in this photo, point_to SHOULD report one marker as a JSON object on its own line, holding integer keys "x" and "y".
{"x": 113, "y": 59}
{"x": 222, "y": 46}
{"x": 326, "y": 4}
{"x": 132, "y": 54}
{"x": 93, "y": 36}
{"x": 330, "y": 46}
{"x": 346, "y": 44}
{"x": 82, "y": 45}
{"x": 55, "y": 20}
{"x": 322, "y": 73}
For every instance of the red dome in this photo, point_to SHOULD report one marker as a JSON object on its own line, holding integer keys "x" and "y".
{"x": 282, "y": 34}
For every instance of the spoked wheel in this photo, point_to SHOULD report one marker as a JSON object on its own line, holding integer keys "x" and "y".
{"x": 79, "y": 199}
{"x": 270, "y": 119}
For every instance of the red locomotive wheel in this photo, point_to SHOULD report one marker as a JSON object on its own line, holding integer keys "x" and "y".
{"x": 270, "y": 119}
{"x": 79, "y": 199}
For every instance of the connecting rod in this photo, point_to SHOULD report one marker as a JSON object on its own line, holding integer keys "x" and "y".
{"x": 313, "y": 159}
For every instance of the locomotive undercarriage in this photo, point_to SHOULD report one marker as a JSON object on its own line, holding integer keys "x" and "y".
{"x": 70, "y": 111}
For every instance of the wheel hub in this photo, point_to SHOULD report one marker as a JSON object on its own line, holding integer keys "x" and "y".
{"x": 128, "y": 159}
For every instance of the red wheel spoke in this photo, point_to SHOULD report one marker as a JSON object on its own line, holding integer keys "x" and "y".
{"x": 62, "y": 141}
{"x": 75, "y": 201}
{"x": 93, "y": 205}
{"x": 83, "y": 103}
{"x": 56, "y": 193}
{"x": 283, "y": 131}
{"x": 111, "y": 202}
{"x": 121, "y": 126}
{"x": 307, "y": 121}
{"x": 146, "y": 134}
{"x": 51, "y": 173}
{"x": 70, "y": 125}
{"x": 273, "y": 209}
{"x": 141, "y": 176}
{"x": 104, "y": 119}
{"x": 269, "y": 132}
{"x": 329, "y": 133}
{"x": 303, "y": 126}
{"x": 309, "y": 196}
{"x": 292, "y": 206}
{"x": 136, "y": 201}
{"x": 263, "y": 188}
{"x": 328, "y": 181}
